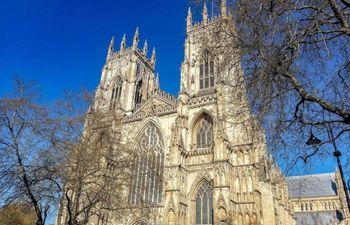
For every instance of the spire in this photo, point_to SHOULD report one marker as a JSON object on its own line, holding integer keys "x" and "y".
{"x": 111, "y": 46}
{"x": 123, "y": 44}
{"x": 136, "y": 38}
{"x": 205, "y": 14}
{"x": 189, "y": 20}
{"x": 153, "y": 58}
{"x": 223, "y": 8}
{"x": 145, "y": 48}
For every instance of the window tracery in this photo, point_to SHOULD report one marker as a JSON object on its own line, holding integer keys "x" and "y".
{"x": 116, "y": 93}
{"x": 206, "y": 71}
{"x": 138, "y": 69}
{"x": 148, "y": 164}
{"x": 204, "y": 204}
{"x": 138, "y": 93}
{"x": 204, "y": 135}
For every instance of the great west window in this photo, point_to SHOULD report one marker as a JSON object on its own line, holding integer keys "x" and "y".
{"x": 147, "y": 176}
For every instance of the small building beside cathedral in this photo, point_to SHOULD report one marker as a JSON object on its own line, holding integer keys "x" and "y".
{"x": 201, "y": 156}
{"x": 318, "y": 199}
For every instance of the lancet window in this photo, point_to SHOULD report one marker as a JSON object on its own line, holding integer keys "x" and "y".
{"x": 206, "y": 71}
{"x": 146, "y": 182}
{"x": 204, "y": 134}
{"x": 116, "y": 93}
{"x": 140, "y": 69}
{"x": 138, "y": 93}
{"x": 204, "y": 204}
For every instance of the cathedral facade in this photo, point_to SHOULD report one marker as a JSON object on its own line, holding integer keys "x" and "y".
{"x": 206, "y": 151}
{"x": 201, "y": 156}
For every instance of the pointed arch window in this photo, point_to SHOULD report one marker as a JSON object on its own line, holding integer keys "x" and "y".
{"x": 204, "y": 204}
{"x": 206, "y": 71}
{"x": 116, "y": 93}
{"x": 138, "y": 93}
{"x": 146, "y": 182}
{"x": 204, "y": 135}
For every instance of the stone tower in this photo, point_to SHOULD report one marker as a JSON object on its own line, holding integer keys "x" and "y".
{"x": 200, "y": 158}
{"x": 128, "y": 77}
{"x": 219, "y": 179}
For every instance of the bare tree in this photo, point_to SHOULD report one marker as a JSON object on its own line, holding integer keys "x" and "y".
{"x": 98, "y": 173}
{"x": 35, "y": 140}
{"x": 57, "y": 155}
{"x": 29, "y": 153}
{"x": 295, "y": 57}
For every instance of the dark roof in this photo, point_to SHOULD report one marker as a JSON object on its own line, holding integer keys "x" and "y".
{"x": 316, "y": 185}
{"x": 318, "y": 218}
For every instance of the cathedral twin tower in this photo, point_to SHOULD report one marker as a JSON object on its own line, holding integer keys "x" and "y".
{"x": 200, "y": 158}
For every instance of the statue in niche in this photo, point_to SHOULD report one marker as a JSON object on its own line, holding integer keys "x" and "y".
{"x": 222, "y": 214}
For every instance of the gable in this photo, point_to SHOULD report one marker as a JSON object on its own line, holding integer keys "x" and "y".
{"x": 161, "y": 103}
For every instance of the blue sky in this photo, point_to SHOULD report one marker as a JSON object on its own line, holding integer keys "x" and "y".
{"x": 63, "y": 44}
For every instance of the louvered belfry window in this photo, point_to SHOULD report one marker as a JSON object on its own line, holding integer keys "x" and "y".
{"x": 205, "y": 132}
{"x": 146, "y": 182}
{"x": 206, "y": 71}
{"x": 204, "y": 204}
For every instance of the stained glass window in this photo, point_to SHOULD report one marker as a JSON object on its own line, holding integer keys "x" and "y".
{"x": 206, "y": 71}
{"x": 205, "y": 132}
{"x": 146, "y": 184}
{"x": 204, "y": 204}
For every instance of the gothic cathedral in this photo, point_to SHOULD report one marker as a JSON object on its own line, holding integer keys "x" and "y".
{"x": 202, "y": 157}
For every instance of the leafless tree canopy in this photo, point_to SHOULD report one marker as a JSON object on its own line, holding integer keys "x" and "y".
{"x": 295, "y": 56}
{"x": 97, "y": 172}
{"x": 34, "y": 142}
{"x": 62, "y": 155}
{"x": 25, "y": 150}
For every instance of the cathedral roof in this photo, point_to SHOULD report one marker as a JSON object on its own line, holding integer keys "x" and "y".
{"x": 322, "y": 218}
{"x": 316, "y": 185}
